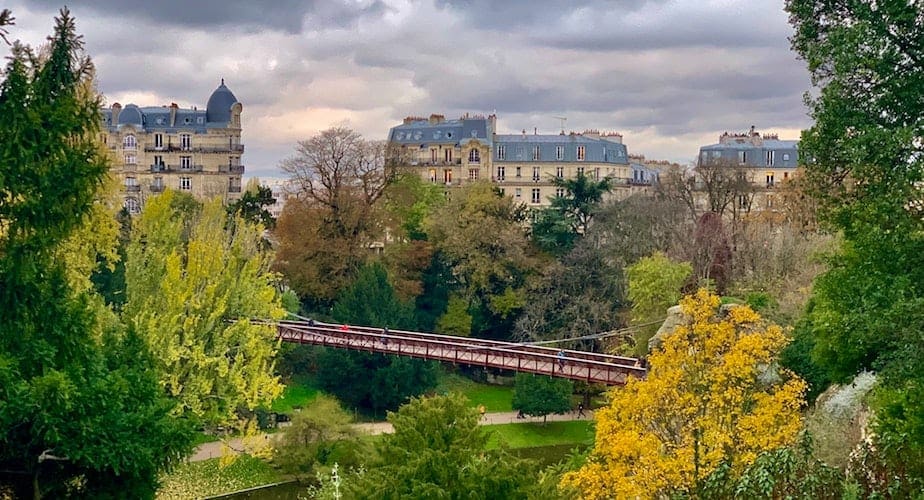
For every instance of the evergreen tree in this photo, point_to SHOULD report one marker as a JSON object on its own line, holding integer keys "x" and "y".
{"x": 80, "y": 413}
{"x": 539, "y": 395}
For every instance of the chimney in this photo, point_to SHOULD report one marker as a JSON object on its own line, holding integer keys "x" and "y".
{"x": 116, "y": 109}
{"x": 173, "y": 108}
{"x": 435, "y": 118}
{"x": 535, "y": 130}
{"x": 524, "y": 133}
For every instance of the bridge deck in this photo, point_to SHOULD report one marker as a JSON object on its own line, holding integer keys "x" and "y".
{"x": 576, "y": 365}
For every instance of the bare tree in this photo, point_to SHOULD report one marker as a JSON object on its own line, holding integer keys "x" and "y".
{"x": 6, "y": 19}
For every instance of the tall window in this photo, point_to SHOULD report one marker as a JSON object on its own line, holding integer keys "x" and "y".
{"x": 128, "y": 142}
{"x": 185, "y": 183}
{"x": 185, "y": 162}
{"x": 432, "y": 175}
{"x": 769, "y": 179}
{"x": 559, "y": 172}
{"x": 158, "y": 141}
{"x": 559, "y": 152}
{"x": 185, "y": 142}
{"x": 742, "y": 157}
{"x": 518, "y": 173}
{"x": 501, "y": 152}
{"x": 535, "y": 195}
{"x": 597, "y": 174}
{"x": 473, "y": 174}
{"x": 580, "y": 153}
{"x": 580, "y": 171}
{"x": 433, "y": 157}
{"x": 447, "y": 176}
{"x": 474, "y": 156}
{"x": 501, "y": 173}
{"x": 130, "y": 159}
{"x": 132, "y": 206}
{"x": 447, "y": 155}
{"x": 518, "y": 193}
{"x": 535, "y": 173}
{"x": 536, "y": 151}
{"x": 158, "y": 161}
{"x": 771, "y": 156}
{"x": 560, "y": 192}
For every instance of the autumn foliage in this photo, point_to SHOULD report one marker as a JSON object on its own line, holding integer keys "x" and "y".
{"x": 713, "y": 396}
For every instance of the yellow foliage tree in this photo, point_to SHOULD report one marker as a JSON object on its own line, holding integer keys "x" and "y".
{"x": 713, "y": 396}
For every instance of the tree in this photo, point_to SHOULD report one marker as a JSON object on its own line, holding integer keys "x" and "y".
{"x": 655, "y": 284}
{"x": 438, "y": 450}
{"x": 569, "y": 216}
{"x": 479, "y": 233}
{"x": 194, "y": 280}
{"x": 74, "y": 388}
{"x": 368, "y": 381}
{"x": 324, "y": 237}
{"x": 321, "y": 435}
{"x": 864, "y": 166}
{"x": 6, "y": 19}
{"x": 252, "y": 205}
{"x": 539, "y": 395}
{"x": 712, "y": 396}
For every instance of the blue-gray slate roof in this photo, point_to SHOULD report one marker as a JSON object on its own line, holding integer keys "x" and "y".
{"x": 785, "y": 153}
{"x": 457, "y": 132}
{"x": 216, "y": 115}
{"x": 520, "y": 148}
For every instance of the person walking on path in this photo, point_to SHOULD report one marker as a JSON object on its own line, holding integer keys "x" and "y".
{"x": 482, "y": 409}
{"x": 580, "y": 412}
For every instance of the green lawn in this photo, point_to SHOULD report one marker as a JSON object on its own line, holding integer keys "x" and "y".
{"x": 528, "y": 435}
{"x": 298, "y": 393}
{"x": 495, "y": 398}
{"x": 208, "y": 478}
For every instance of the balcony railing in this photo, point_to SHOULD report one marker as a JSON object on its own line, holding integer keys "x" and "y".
{"x": 135, "y": 188}
{"x": 180, "y": 168}
{"x": 233, "y": 169}
{"x": 169, "y": 148}
{"x": 157, "y": 188}
{"x": 234, "y": 189}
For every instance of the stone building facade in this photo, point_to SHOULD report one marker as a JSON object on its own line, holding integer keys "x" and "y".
{"x": 197, "y": 151}
{"x": 454, "y": 152}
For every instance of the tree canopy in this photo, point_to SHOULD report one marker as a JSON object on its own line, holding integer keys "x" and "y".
{"x": 712, "y": 397}
{"x": 540, "y": 395}
{"x": 74, "y": 388}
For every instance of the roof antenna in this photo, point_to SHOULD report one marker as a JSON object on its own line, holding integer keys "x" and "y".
{"x": 563, "y": 120}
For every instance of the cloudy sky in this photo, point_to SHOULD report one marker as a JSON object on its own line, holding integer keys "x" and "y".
{"x": 669, "y": 75}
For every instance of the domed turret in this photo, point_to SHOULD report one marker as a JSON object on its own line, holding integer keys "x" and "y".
{"x": 218, "y": 109}
{"x": 131, "y": 115}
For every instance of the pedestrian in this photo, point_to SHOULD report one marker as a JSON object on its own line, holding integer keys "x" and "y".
{"x": 580, "y": 409}
{"x": 344, "y": 327}
{"x": 561, "y": 359}
{"x": 482, "y": 409}
{"x": 384, "y": 336}
{"x": 310, "y": 322}
{"x": 520, "y": 414}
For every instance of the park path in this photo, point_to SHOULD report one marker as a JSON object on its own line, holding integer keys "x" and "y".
{"x": 215, "y": 449}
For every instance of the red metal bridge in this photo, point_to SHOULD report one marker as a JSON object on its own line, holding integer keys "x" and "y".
{"x": 571, "y": 364}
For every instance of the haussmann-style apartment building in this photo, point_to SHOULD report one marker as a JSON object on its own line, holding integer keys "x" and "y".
{"x": 197, "y": 151}
{"x": 454, "y": 152}
{"x": 765, "y": 160}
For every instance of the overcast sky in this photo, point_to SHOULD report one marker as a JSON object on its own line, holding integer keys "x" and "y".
{"x": 669, "y": 75}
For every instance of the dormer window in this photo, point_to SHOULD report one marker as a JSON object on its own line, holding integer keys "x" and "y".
{"x": 580, "y": 153}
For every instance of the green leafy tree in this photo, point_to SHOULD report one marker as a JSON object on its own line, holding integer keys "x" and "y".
{"x": 74, "y": 385}
{"x": 438, "y": 450}
{"x": 456, "y": 320}
{"x": 569, "y": 216}
{"x": 251, "y": 206}
{"x": 321, "y": 435}
{"x": 194, "y": 280}
{"x": 540, "y": 395}
{"x": 373, "y": 382}
{"x": 655, "y": 284}
{"x": 864, "y": 166}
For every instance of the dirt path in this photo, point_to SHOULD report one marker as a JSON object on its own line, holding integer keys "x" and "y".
{"x": 215, "y": 449}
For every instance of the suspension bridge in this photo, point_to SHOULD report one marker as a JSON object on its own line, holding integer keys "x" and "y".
{"x": 565, "y": 363}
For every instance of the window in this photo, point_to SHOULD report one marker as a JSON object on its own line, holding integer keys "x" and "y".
{"x": 432, "y": 175}
{"x": 474, "y": 156}
{"x": 743, "y": 201}
{"x": 535, "y": 173}
{"x": 536, "y": 154}
{"x": 501, "y": 173}
{"x": 785, "y": 175}
{"x": 185, "y": 162}
{"x": 185, "y": 142}
{"x": 473, "y": 174}
{"x": 447, "y": 176}
{"x": 130, "y": 159}
{"x": 501, "y": 152}
{"x": 535, "y": 195}
{"x": 129, "y": 142}
{"x": 771, "y": 156}
{"x": 447, "y": 155}
{"x": 132, "y": 206}
{"x": 131, "y": 181}
{"x": 518, "y": 173}
{"x": 769, "y": 179}
{"x": 742, "y": 157}
{"x": 785, "y": 156}
{"x": 559, "y": 152}
{"x": 597, "y": 174}
{"x": 560, "y": 192}
{"x": 580, "y": 171}
{"x": 433, "y": 157}
{"x": 769, "y": 201}
{"x": 559, "y": 172}
{"x": 185, "y": 183}
{"x": 158, "y": 141}
{"x": 519, "y": 193}
{"x": 158, "y": 183}
{"x": 158, "y": 161}
{"x": 503, "y": 191}
{"x": 580, "y": 153}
